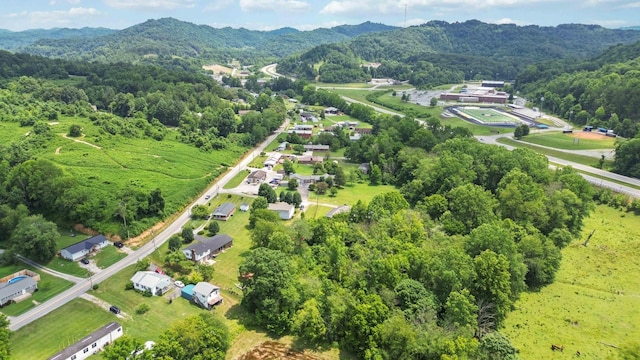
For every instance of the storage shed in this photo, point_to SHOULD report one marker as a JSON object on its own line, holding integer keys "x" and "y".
{"x": 187, "y": 292}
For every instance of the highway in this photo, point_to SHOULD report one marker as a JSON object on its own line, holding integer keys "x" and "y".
{"x": 144, "y": 251}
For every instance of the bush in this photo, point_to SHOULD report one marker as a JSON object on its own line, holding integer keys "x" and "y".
{"x": 147, "y": 293}
{"x": 128, "y": 286}
{"x": 95, "y": 286}
{"x": 142, "y": 308}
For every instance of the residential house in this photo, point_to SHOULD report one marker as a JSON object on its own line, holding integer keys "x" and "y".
{"x": 363, "y": 131}
{"x": 206, "y": 248}
{"x": 331, "y": 111}
{"x": 305, "y": 134}
{"x": 283, "y": 146}
{"x": 316, "y": 147}
{"x": 308, "y": 116}
{"x": 309, "y": 179}
{"x": 273, "y": 159}
{"x": 83, "y": 248}
{"x": 285, "y": 210}
{"x": 206, "y": 295}
{"x": 225, "y": 211}
{"x": 91, "y": 344}
{"x": 310, "y": 160}
{"x": 257, "y": 177}
{"x": 18, "y": 286}
{"x": 157, "y": 284}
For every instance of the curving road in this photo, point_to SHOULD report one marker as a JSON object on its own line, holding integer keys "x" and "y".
{"x": 83, "y": 285}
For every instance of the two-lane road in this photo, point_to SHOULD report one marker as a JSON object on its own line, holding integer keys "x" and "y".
{"x": 144, "y": 251}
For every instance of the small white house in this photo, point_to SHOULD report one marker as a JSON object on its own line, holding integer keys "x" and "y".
{"x": 206, "y": 248}
{"x": 158, "y": 284}
{"x": 83, "y": 248}
{"x": 285, "y": 210}
{"x": 91, "y": 344}
{"x": 206, "y": 295}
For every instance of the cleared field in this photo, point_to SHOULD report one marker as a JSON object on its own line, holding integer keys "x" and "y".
{"x": 349, "y": 195}
{"x": 108, "y": 256}
{"x": 595, "y": 300}
{"x": 218, "y": 69}
{"x": 571, "y": 141}
{"x": 236, "y": 180}
{"x": 580, "y": 159}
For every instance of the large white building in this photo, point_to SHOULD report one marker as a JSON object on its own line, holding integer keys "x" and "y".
{"x": 91, "y": 344}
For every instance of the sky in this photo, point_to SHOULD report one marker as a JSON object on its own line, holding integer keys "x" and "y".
{"x": 17, "y": 15}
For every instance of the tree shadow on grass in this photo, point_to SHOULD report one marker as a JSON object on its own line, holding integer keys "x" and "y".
{"x": 246, "y": 319}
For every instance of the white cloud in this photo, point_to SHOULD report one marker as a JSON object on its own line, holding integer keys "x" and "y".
{"x": 274, "y": 5}
{"x": 52, "y": 2}
{"x": 150, "y": 4}
{"x": 345, "y": 7}
{"x": 218, "y": 5}
{"x": 506, "y": 21}
{"x": 56, "y": 18}
{"x": 74, "y": 2}
{"x": 610, "y": 23}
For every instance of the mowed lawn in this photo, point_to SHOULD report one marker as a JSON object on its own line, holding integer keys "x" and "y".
{"x": 569, "y": 142}
{"x": 580, "y": 159}
{"x": 48, "y": 287}
{"x": 595, "y": 299}
{"x": 59, "y": 329}
{"x": 350, "y": 194}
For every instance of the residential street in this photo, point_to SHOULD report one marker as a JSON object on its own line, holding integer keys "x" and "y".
{"x": 85, "y": 284}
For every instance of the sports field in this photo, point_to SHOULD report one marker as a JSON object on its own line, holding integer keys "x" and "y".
{"x": 575, "y": 141}
{"x": 488, "y": 115}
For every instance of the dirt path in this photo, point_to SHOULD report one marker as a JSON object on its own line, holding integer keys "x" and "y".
{"x": 103, "y": 304}
{"x": 58, "y": 150}
{"x": 81, "y": 141}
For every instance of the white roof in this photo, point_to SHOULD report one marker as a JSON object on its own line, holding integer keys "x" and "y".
{"x": 204, "y": 288}
{"x": 149, "y": 279}
{"x": 281, "y": 206}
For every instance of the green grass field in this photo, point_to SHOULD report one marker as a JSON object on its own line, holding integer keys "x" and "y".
{"x": 108, "y": 256}
{"x": 349, "y": 195}
{"x": 48, "y": 287}
{"x": 580, "y": 159}
{"x": 348, "y": 85}
{"x": 568, "y": 142}
{"x": 236, "y": 180}
{"x": 67, "y": 267}
{"x": 57, "y": 330}
{"x": 595, "y": 299}
{"x": 180, "y": 170}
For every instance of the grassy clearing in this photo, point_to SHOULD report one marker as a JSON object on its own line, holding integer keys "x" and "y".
{"x": 568, "y": 142}
{"x": 580, "y": 159}
{"x": 48, "y": 287}
{"x": 59, "y": 329}
{"x": 349, "y": 85}
{"x": 316, "y": 211}
{"x": 594, "y": 300}
{"x": 258, "y": 162}
{"x": 108, "y": 256}
{"x": 236, "y": 180}
{"x": 349, "y": 195}
{"x": 67, "y": 267}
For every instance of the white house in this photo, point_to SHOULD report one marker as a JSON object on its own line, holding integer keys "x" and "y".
{"x": 158, "y": 284}
{"x": 206, "y": 295}
{"x": 91, "y": 344}
{"x": 83, "y": 248}
{"x": 206, "y": 248}
{"x": 285, "y": 210}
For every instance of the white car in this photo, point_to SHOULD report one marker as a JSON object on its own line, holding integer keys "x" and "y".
{"x": 179, "y": 283}
{"x": 207, "y": 197}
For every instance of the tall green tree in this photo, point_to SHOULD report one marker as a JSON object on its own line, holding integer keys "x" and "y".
{"x": 5, "y": 336}
{"x": 199, "y": 337}
{"x": 35, "y": 238}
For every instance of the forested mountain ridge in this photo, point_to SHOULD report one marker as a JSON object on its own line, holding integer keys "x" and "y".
{"x": 12, "y": 40}
{"x": 452, "y": 52}
{"x": 171, "y": 37}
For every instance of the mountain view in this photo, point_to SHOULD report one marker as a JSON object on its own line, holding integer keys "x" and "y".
{"x": 298, "y": 180}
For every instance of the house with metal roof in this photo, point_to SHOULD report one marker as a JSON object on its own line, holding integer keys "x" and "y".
{"x": 257, "y": 177}
{"x": 224, "y": 212}
{"x": 206, "y": 295}
{"x": 91, "y": 344}
{"x": 283, "y": 209}
{"x": 157, "y": 284}
{"x": 207, "y": 248}
{"x": 84, "y": 248}
{"x": 17, "y": 289}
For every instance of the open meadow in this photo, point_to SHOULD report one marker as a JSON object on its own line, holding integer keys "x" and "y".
{"x": 577, "y": 158}
{"x": 574, "y": 141}
{"x": 594, "y": 304}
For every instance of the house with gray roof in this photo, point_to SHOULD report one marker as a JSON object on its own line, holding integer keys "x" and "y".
{"x": 283, "y": 209}
{"x": 157, "y": 284}
{"x": 84, "y": 248}
{"x": 206, "y": 295}
{"x": 17, "y": 289}
{"x": 206, "y": 248}
{"x": 91, "y": 344}
{"x": 224, "y": 212}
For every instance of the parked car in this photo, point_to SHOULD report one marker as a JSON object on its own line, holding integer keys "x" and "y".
{"x": 114, "y": 309}
{"x": 85, "y": 261}
{"x": 207, "y": 197}
{"x": 159, "y": 271}
{"x": 118, "y": 244}
{"x": 179, "y": 283}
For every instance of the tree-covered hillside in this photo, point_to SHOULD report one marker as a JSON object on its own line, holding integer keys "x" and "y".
{"x": 12, "y": 40}
{"x": 169, "y": 37}
{"x": 439, "y": 52}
